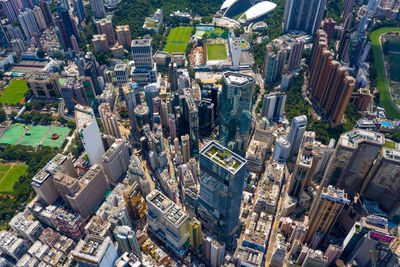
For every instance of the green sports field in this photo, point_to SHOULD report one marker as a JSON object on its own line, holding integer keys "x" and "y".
{"x": 175, "y": 48}
{"x": 14, "y": 92}
{"x": 13, "y": 134}
{"x": 392, "y": 44}
{"x": 34, "y": 135}
{"x": 179, "y": 35}
{"x": 62, "y": 131}
{"x": 385, "y": 99}
{"x": 216, "y": 52}
{"x": 9, "y": 174}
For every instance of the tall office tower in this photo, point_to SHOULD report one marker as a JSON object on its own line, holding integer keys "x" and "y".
{"x": 323, "y": 214}
{"x": 206, "y": 117}
{"x": 382, "y": 180}
{"x": 109, "y": 120}
{"x": 98, "y": 9}
{"x": 304, "y": 170}
{"x": 328, "y": 26}
{"x": 73, "y": 92}
{"x": 121, "y": 72}
{"x": 330, "y": 84}
{"x": 222, "y": 175}
{"x": 167, "y": 221}
{"x": 296, "y": 132}
{"x": 116, "y": 161}
{"x": 172, "y": 126}
{"x": 14, "y": 32}
{"x": 28, "y": 23}
{"x": 353, "y": 157}
{"x": 348, "y": 8}
{"x": 173, "y": 76}
{"x": 142, "y": 53}
{"x": 123, "y": 35}
{"x": 191, "y": 119}
{"x": 44, "y": 85}
{"x": 95, "y": 251}
{"x": 364, "y": 238}
{"x": 90, "y": 70}
{"x": 11, "y": 9}
{"x": 89, "y": 132}
{"x": 185, "y": 147}
{"x": 43, "y": 183}
{"x": 303, "y": 15}
{"x": 270, "y": 65}
{"x": 66, "y": 26}
{"x": 372, "y": 5}
{"x": 130, "y": 100}
{"x": 48, "y": 17}
{"x": 315, "y": 258}
{"x": 151, "y": 91}
{"x": 79, "y": 9}
{"x": 41, "y": 22}
{"x": 295, "y": 55}
{"x": 106, "y": 27}
{"x": 127, "y": 241}
{"x": 273, "y": 105}
{"x": 235, "y": 111}
{"x": 195, "y": 233}
{"x": 82, "y": 194}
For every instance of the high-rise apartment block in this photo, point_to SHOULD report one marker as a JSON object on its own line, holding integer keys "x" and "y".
{"x": 330, "y": 84}
{"x": 235, "y": 111}
{"x": 28, "y": 23}
{"x": 303, "y": 15}
{"x": 222, "y": 175}
{"x": 105, "y": 26}
{"x": 88, "y": 130}
{"x": 354, "y": 155}
{"x": 123, "y": 35}
{"x": 116, "y": 160}
{"x": 109, "y": 120}
{"x": 295, "y": 55}
{"x": 324, "y": 212}
{"x": 273, "y": 105}
{"x": 11, "y": 9}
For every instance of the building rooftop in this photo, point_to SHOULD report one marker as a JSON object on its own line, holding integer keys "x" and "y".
{"x": 258, "y": 10}
{"x": 83, "y": 116}
{"x": 250, "y": 257}
{"x": 354, "y": 137}
{"x": 223, "y": 156}
{"x": 92, "y": 248}
{"x": 392, "y": 154}
{"x": 317, "y": 254}
{"x": 141, "y": 42}
{"x": 159, "y": 200}
{"x": 238, "y": 79}
{"x": 120, "y": 67}
{"x": 176, "y": 216}
{"x": 333, "y": 194}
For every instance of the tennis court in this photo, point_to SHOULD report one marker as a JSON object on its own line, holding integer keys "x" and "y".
{"x": 13, "y": 134}
{"x": 34, "y": 135}
{"x": 63, "y": 133}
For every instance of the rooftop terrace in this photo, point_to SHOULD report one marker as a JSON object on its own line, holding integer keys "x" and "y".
{"x": 223, "y": 157}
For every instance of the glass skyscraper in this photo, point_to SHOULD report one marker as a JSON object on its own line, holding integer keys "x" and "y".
{"x": 235, "y": 111}
{"x": 222, "y": 175}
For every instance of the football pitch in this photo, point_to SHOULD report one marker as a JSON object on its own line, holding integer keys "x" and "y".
{"x": 179, "y": 35}
{"x": 9, "y": 174}
{"x": 392, "y": 44}
{"x": 14, "y": 92}
{"x": 216, "y": 52}
{"x": 175, "y": 48}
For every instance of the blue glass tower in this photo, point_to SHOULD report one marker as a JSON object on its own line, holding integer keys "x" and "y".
{"x": 222, "y": 174}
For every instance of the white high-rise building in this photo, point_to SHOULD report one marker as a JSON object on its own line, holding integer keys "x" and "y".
{"x": 297, "y": 129}
{"x": 89, "y": 132}
{"x": 273, "y": 105}
{"x": 142, "y": 53}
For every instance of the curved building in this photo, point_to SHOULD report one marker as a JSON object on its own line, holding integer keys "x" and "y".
{"x": 142, "y": 114}
{"x": 233, "y": 7}
{"x": 257, "y": 11}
